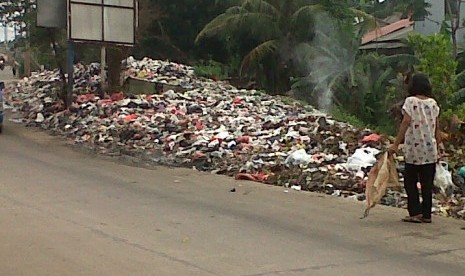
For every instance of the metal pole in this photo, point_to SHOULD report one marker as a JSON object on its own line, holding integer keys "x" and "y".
{"x": 69, "y": 93}
{"x": 103, "y": 64}
{"x": 6, "y": 34}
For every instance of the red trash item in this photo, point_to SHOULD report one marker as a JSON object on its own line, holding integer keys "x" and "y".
{"x": 371, "y": 138}
{"x": 243, "y": 140}
{"x": 198, "y": 155}
{"x": 104, "y": 102}
{"x": 257, "y": 177}
{"x": 198, "y": 125}
{"x": 131, "y": 117}
{"x": 237, "y": 100}
{"x": 117, "y": 97}
{"x": 85, "y": 98}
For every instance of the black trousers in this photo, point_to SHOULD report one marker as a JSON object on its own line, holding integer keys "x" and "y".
{"x": 425, "y": 175}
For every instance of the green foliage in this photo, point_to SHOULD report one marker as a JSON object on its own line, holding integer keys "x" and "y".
{"x": 279, "y": 27}
{"x": 458, "y": 110}
{"x": 434, "y": 53}
{"x": 343, "y": 116}
{"x": 168, "y": 29}
{"x": 212, "y": 69}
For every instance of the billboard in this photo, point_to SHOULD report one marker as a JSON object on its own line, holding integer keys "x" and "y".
{"x": 104, "y": 21}
{"x": 51, "y": 13}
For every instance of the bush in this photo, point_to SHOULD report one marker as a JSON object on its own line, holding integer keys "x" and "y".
{"x": 436, "y": 60}
{"x": 386, "y": 126}
{"x": 340, "y": 115}
{"x": 212, "y": 69}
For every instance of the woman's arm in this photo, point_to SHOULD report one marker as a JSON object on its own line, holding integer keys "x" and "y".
{"x": 403, "y": 129}
{"x": 438, "y": 137}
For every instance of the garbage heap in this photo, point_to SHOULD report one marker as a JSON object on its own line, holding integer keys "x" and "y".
{"x": 212, "y": 126}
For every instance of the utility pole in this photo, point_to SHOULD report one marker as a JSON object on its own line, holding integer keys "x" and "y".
{"x": 6, "y": 34}
{"x": 27, "y": 56}
{"x": 103, "y": 64}
{"x": 69, "y": 94}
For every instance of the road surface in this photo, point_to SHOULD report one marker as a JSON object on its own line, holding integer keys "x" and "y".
{"x": 64, "y": 212}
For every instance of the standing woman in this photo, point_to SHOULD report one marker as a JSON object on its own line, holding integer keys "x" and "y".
{"x": 421, "y": 137}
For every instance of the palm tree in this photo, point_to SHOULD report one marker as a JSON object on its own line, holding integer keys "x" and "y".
{"x": 281, "y": 27}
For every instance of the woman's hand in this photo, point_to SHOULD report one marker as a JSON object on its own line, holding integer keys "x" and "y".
{"x": 393, "y": 149}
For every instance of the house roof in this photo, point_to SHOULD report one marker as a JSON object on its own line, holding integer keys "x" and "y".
{"x": 384, "y": 31}
{"x": 392, "y": 40}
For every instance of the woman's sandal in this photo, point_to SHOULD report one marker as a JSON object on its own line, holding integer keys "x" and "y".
{"x": 414, "y": 219}
{"x": 424, "y": 220}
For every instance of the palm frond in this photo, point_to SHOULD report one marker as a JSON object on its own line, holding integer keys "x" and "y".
{"x": 369, "y": 21}
{"x": 305, "y": 13}
{"x": 401, "y": 60}
{"x": 237, "y": 19}
{"x": 259, "y": 53}
{"x": 261, "y": 6}
{"x": 460, "y": 79}
{"x": 382, "y": 79}
{"x": 458, "y": 97}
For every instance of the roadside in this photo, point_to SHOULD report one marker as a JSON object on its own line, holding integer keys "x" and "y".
{"x": 213, "y": 127}
{"x": 69, "y": 213}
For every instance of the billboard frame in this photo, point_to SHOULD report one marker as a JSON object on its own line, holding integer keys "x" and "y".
{"x": 102, "y": 5}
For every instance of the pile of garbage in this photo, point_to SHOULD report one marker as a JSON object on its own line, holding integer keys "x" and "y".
{"x": 162, "y": 72}
{"x": 211, "y": 126}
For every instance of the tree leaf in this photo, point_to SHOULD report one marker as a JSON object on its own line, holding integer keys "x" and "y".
{"x": 259, "y": 52}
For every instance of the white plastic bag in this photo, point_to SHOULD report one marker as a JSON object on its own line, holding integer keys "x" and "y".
{"x": 299, "y": 157}
{"x": 443, "y": 179}
{"x": 362, "y": 158}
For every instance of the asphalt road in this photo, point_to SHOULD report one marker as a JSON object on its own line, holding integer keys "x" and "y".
{"x": 64, "y": 212}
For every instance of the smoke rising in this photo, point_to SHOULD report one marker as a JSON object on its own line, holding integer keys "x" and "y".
{"x": 324, "y": 60}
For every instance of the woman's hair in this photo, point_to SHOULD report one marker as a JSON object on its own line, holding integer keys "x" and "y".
{"x": 420, "y": 85}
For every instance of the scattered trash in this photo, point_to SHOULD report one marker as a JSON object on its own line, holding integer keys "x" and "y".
{"x": 371, "y": 138}
{"x": 299, "y": 157}
{"x": 296, "y": 187}
{"x": 362, "y": 158}
{"x": 252, "y": 177}
{"x": 443, "y": 179}
{"x": 212, "y": 126}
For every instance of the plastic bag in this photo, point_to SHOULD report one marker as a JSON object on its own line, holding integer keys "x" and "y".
{"x": 443, "y": 179}
{"x": 362, "y": 158}
{"x": 299, "y": 157}
{"x": 382, "y": 176}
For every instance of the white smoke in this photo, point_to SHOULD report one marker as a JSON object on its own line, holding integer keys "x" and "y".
{"x": 324, "y": 60}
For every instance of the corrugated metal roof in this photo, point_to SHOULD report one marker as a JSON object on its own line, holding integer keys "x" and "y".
{"x": 392, "y": 40}
{"x": 380, "y": 32}
{"x": 382, "y": 45}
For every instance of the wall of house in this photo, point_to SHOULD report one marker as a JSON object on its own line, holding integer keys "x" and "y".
{"x": 432, "y": 24}
{"x": 461, "y": 32}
